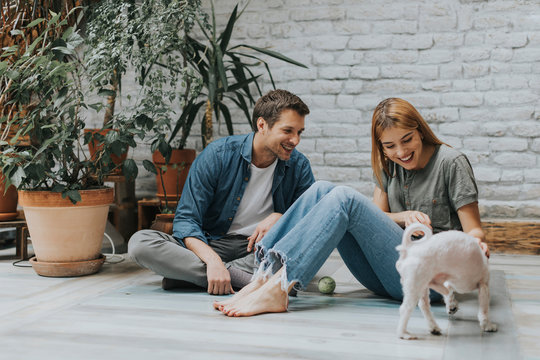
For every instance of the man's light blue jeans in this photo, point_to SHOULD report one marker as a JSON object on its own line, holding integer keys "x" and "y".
{"x": 327, "y": 216}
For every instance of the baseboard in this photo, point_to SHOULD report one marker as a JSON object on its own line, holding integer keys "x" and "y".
{"x": 513, "y": 237}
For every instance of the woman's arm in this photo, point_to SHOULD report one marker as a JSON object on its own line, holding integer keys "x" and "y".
{"x": 469, "y": 216}
{"x": 404, "y": 218}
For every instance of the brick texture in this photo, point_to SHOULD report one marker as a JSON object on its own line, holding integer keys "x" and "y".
{"x": 470, "y": 67}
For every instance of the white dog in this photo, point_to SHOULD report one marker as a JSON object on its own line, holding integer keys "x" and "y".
{"x": 446, "y": 262}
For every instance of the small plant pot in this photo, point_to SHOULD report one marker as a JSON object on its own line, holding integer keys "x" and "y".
{"x": 8, "y": 201}
{"x": 62, "y": 232}
{"x": 163, "y": 223}
{"x": 94, "y": 146}
{"x": 170, "y": 181}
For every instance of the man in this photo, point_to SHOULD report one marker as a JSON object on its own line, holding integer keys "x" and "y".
{"x": 237, "y": 188}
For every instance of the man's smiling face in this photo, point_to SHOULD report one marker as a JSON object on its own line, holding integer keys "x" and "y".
{"x": 281, "y": 139}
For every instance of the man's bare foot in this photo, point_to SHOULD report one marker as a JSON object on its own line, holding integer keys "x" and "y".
{"x": 246, "y": 290}
{"x": 268, "y": 298}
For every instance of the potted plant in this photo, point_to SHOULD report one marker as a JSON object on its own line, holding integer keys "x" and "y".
{"x": 15, "y": 18}
{"x": 212, "y": 71}
{"x": 108, "y": 46}
{"x": 60, "y": 187}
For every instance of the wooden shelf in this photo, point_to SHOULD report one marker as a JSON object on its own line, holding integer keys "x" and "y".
{"x": 147, "y": 209}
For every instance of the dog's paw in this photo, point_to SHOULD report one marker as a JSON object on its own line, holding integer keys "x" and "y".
{"x": 489, "y": 327}
{"x": 407, "y": 336}
{"x": 451, "y": 310}
{"x": 435, "y": 331}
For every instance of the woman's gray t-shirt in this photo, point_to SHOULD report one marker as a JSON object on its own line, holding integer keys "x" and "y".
{"x": 444, "y": 185}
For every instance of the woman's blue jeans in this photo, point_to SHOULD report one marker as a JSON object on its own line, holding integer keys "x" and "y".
{"x": 327, "y": 216}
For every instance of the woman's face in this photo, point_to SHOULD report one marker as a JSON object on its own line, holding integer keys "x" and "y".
{"x": 404, "y": 147}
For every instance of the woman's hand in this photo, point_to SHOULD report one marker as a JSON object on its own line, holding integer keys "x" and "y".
{"x": 411, "y": 216}
{"x": 483, "y": 246}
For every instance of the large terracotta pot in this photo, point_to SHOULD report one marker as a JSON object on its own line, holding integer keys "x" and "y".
{"x": 94, "y": 146}
{"x": 175, "y": 175}
{"x": 64, "y": 235}
{"x": 8, "y": 201}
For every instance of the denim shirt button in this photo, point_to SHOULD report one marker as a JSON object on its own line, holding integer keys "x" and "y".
{"x": 246, "y": 178}
{"x": 238, "y": 198}
{"x": 230, "y": 219}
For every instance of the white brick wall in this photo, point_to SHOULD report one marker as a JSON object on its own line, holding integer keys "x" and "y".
{"x": 472, "y": 68}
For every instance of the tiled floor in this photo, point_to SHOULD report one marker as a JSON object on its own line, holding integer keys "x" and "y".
{"x": 122, "y": 313}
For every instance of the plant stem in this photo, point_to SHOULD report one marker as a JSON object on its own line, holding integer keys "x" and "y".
{"x": 111, "y": 101}
{"x": 208, "y": 136}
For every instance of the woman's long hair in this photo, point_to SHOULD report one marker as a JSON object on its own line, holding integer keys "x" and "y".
{"x": 395, "y": 112}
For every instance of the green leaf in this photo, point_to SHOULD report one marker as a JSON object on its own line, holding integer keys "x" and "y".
{"x": 130, "y": 169}
{"x": 181, "y": 121}
{"x": 58, "y": 188}
{"x": 106, "y": 92}
{"x": 221, "y": 68}
{"x": 117, "y": 148}
{"x": 226, "y": 35}
{"x": 18, "y": 177}
{"x": 165, "y": 149}
{"x": 16, "y": 32}
{"x": 227, "y": 116}
{"x": 149, "y": 166}
{"x": 35, "y": 22}
{"x": 273, "y": 54}
{"x": 189, "y": 123}
{"x": 112, "y": 136}
{"x": 73, "y": 195}
{"x": 12, "y": 74}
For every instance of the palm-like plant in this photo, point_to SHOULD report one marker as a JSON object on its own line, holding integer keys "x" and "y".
{"x": 226, "y": 73}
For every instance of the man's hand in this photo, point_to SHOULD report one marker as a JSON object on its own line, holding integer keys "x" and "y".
{"x": 262, "y": 229}
{"x": 219, "y": 279}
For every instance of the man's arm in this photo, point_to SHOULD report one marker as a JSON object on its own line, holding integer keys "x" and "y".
{"x": 197, "y": 196}
{"x": 219, "y": 279}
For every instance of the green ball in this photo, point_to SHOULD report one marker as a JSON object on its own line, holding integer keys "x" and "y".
{"x": 327, "y": 285}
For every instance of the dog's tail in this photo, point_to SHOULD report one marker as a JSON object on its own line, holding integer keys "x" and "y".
{"x": 411, "y": 229}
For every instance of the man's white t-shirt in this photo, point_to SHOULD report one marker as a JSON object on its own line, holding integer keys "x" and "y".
{"x": 257, "y": 202}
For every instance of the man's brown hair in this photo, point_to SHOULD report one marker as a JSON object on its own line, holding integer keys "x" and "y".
{"x": 270, "y": 106}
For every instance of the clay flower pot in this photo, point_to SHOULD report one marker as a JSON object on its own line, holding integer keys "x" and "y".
{"x": 94, "y": 146}
{"x": 66, "y": 238}
{"x": 8, "y": 201}
{"x": 174, "y": 177}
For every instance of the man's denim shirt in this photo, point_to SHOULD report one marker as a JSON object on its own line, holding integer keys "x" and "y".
{"x": 216, "y": 183}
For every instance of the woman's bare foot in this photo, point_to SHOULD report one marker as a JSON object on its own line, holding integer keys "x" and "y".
{"x": 246, "y": 290}
{"x": 268, "y": 298}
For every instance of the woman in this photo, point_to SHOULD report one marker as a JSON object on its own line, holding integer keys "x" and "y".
{"x": 419, "y": 179}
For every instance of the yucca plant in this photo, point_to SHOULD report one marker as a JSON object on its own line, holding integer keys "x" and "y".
{"x": 227, "y": 72}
